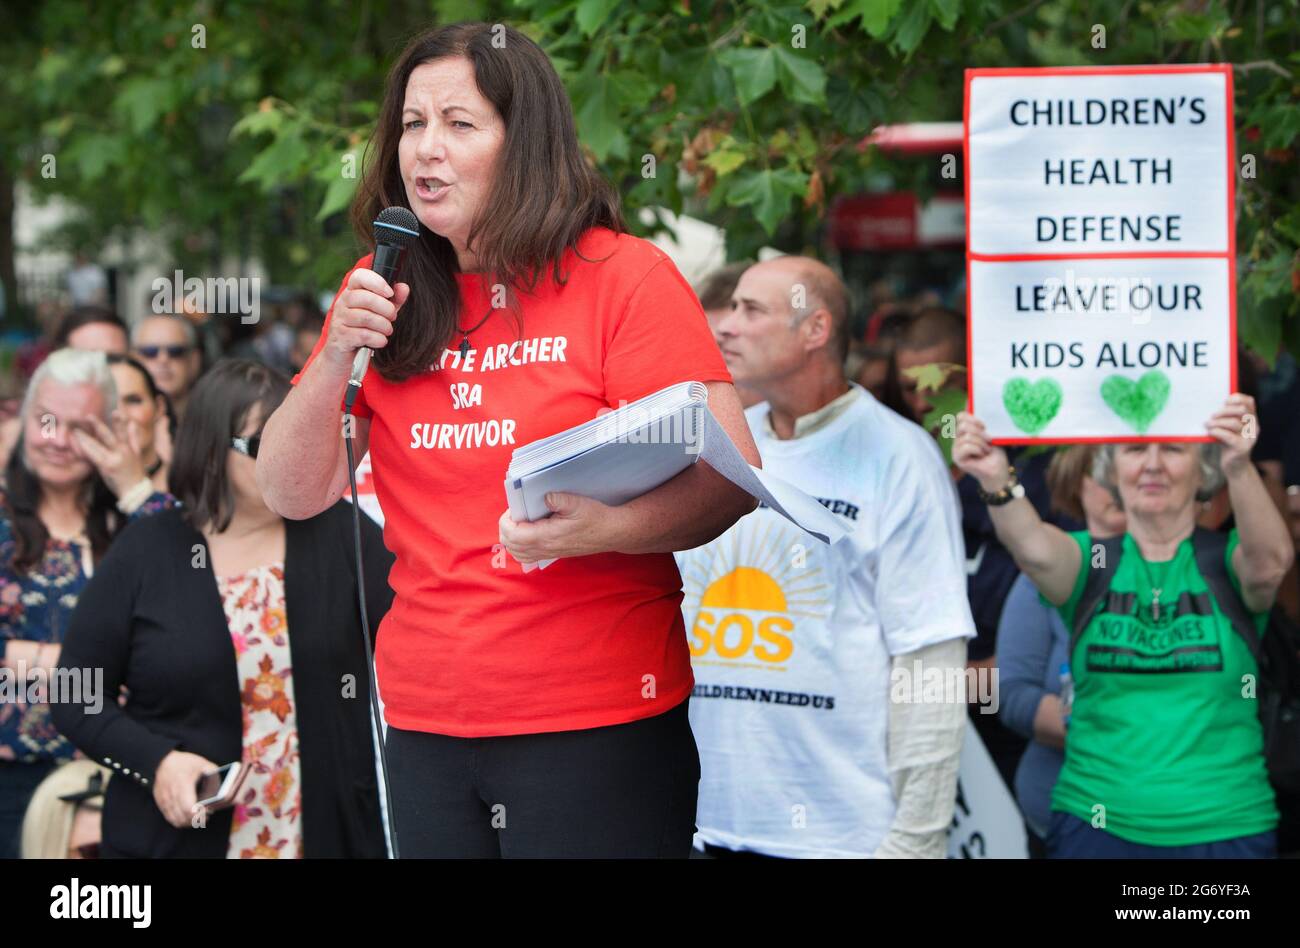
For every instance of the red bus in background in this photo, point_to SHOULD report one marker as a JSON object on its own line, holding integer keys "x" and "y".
{"x": 895, "y": 246}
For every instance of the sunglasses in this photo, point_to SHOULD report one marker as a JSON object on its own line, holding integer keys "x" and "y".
{"x": 87, "y": 851}
{"x": 247, "y": 446}
{"x": 173, "y": 352}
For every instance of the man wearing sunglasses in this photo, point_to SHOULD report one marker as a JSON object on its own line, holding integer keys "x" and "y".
{"x": 168, "y": 346}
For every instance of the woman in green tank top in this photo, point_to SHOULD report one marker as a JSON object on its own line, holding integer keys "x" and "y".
{"x": 1164, "y": 751}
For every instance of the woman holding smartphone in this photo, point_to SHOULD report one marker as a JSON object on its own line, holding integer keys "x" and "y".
{"x": 237, "y": 636}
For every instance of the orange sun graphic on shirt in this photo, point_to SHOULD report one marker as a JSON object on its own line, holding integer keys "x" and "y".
{"x": 744, "y": 598}
{"x": 745, "y": 588}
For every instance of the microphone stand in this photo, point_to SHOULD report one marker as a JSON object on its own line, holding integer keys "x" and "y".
{"x": 376, "y": 720}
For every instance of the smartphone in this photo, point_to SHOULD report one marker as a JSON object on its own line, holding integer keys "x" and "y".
{"x": 216, "y": 789}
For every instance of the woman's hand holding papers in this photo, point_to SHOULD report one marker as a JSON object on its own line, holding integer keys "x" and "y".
{"x": 578, "y": 526}
{"x": 694, "y": 507}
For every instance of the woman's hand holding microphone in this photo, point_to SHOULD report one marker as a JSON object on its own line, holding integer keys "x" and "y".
{"x": 363, "y": 317}
{"x": 300, "y": 477}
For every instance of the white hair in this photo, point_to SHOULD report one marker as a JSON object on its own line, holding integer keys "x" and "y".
{"x": 74, "y": 367}
{"x": 1212, "y": 479}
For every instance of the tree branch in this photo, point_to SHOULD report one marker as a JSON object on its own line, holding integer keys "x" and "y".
{"x": 1268, "y": 64}
{"x": 998, "y": 24}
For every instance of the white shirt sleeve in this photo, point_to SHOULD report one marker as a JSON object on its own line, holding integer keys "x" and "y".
{"x": 923, "y": 756}
{"x": 921, "y": 559}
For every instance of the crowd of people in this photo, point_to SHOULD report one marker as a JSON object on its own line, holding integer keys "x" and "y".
{"x": 121, "y": 424}
{"x": 692, "y": 673}
{"x": 176, "y": 633}
{"x": 1159, "y": 752}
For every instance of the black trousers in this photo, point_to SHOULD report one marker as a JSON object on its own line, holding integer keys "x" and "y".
{"x": 626, "y": 790}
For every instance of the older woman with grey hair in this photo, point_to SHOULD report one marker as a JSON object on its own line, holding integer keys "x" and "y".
{"x": 73, "y": 481}
{"x": 1164, "y": 750}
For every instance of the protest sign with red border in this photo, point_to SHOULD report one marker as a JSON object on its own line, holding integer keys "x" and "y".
{"x": 1188, "y": 287}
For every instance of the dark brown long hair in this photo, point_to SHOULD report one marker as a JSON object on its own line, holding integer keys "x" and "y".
{"x": 22, "y": 499}
{"x": 218, "y": 408}
{"x": 544, "y": 197}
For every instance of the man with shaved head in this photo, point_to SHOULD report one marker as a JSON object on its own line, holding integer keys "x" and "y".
{"x": 814, "y": 735}
{"x": 715, "y": 292}
{"x": 788, "y": 315}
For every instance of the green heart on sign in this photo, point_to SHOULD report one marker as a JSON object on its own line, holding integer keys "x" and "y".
{"x": 1138, "y": 402}
{"x": 1031, "y": 407}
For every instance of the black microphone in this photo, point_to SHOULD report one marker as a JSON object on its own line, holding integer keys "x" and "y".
{"x": 394, "y": 229}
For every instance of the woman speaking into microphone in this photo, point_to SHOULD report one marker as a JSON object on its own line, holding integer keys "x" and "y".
{"x": 529, "y": 714}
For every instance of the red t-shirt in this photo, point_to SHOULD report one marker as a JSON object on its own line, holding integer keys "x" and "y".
{"x": 473, "y": 646}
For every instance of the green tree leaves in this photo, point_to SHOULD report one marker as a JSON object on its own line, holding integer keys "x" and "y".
{"x": 751, "y": 114}
{"x": 145, "y": 99}
{"x": 757, "y": 72}
{"x": 873, "y": 15}
{"x": 802, "y": 80}
{"x": 768, "y": 195}
{"x": 591, "y": 14}
{"x": 752, "y": 70}
{"x": 597, "y": 112}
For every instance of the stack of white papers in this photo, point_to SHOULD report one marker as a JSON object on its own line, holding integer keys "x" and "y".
{"x": 630, "y": 451}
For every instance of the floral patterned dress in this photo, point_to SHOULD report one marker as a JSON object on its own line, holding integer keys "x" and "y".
{"x": 36, "y": 605}
{"x": 268, "y": 811}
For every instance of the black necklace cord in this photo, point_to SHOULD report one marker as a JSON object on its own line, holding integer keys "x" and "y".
{"x": 477, "y": 325}
{"x": 464, "y": 333}
{"x": 376, "y": 720}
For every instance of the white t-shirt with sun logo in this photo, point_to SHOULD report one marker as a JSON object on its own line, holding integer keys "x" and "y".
{"x": 791, "y": 640}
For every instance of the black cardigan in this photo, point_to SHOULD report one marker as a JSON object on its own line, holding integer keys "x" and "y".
{"x": 152, "y": 619}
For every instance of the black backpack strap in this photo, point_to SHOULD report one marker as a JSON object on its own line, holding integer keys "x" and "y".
{"x": 1095, "y": 586}
{"x": 1211, "y": 560}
